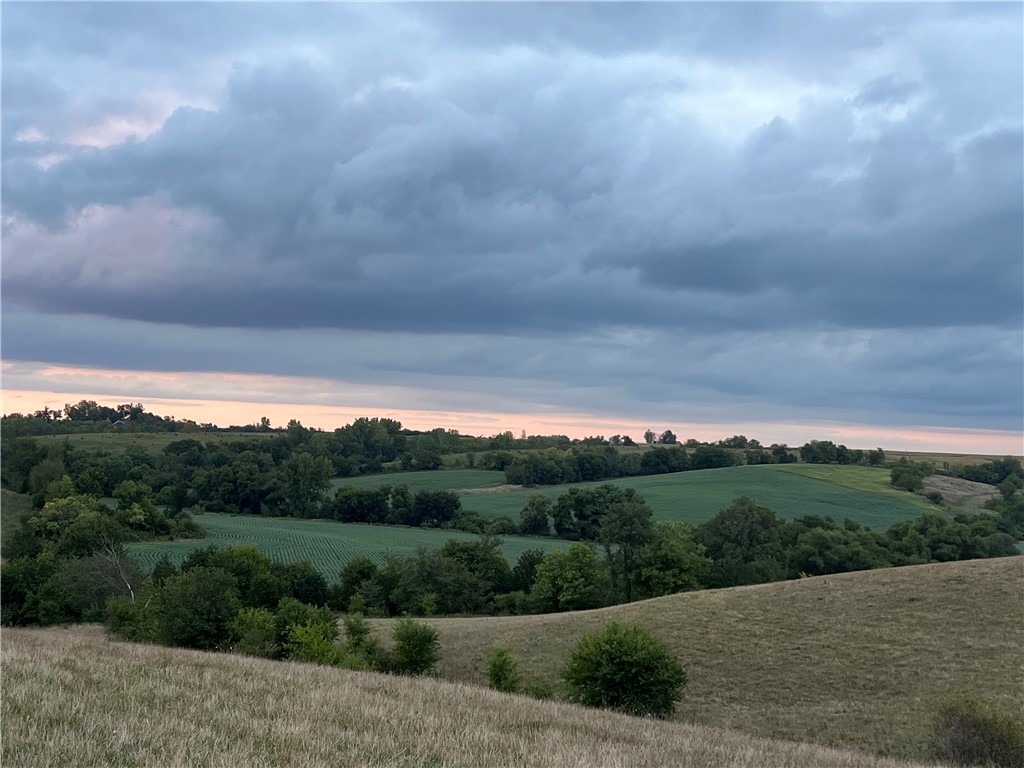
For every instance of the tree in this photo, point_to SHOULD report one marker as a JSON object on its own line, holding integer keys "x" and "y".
{"x": 672, "y": 562}
{"x": 196, "y": 609}
{"x": 572, "y": 580}
{"x": 306, "y": 480}
{"x": 667, "y": 437}
{"x": 534, "y": 516}
{"x": 745, "y": 543}
{"x": 625, "y": 529}
{"x": 417, "y": 648}
{"x": 649, "y": 436}
{"x": 627, "y": 668}
{"x": 502, "y": 669}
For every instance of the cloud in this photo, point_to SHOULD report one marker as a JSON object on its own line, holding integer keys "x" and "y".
{"x": 550, "y": 201}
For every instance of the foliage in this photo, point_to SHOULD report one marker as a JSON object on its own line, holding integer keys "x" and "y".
{"x": 968, "y": 730}
{"x": 502, "y": 669}
{"x": 417, "y": 648}
{"x": 196, "y": 608}
{"x": 570, "y": 580}
{"x": 627, "y": 668}
{"x": 253, "y": 633}
{"x": 745, "y": 543}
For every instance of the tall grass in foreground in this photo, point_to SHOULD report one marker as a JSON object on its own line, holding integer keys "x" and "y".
{"x": 72, "y": 697}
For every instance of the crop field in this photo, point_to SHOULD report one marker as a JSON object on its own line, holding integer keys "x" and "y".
{"x": 434, "y": 480}
{"x": 328, "y": 545}
{"x": 860, "y": 493}
{"x": 152, "y": 442}
{"x": 856, "y": 660}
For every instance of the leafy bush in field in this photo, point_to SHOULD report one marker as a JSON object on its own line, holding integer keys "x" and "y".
{"x": 196, "y": 609}
{"x": 502, "y": 669}
{"x": 627, "y": 668}
{"x": 253, "y": 633}
{"x": 417, "y": 648}
{"x": 971, "y": 731}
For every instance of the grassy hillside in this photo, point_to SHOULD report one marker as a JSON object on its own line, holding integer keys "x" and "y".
{"x": 861, "y": 493}
{"x": 71, "y": 697}
{"x": 325, "y": 543}
{"x": 435, "y": 480}
{"x": 856, "y": 660}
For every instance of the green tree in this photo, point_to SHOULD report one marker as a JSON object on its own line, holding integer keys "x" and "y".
{"x": 502, "y": 669}
{"x": 306, "y": 480}
{"x": 745, "y": 543}
{"x": 627, "y": 668}
{"x": 570, "y": 580}
{"x": 417, "y": 648}
{"x": 196, "y": 608}
{"x": 534, "y": 516}
{"x": 625, "y": 530}
{"x": 672, "y": 562}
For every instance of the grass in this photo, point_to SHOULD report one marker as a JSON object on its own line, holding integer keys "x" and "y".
{"x": 860, "y": 493}
{"x": 857, "y": 660}
{"x": 870, "y": 479}
{"x": 325, "y": 543}
{"x": 941, "y": 460}
{"x": 152, "y": 442}
{"x": 436, "y": 480}
{"x": 72, "y": 697}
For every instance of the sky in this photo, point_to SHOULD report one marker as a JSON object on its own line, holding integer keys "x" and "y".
{"x": 789, "y": 221}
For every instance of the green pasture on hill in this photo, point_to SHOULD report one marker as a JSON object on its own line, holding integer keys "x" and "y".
{"x": 432, "y": 480}
{"x": 791, "y": 490}
{"x": 328, "y": 545}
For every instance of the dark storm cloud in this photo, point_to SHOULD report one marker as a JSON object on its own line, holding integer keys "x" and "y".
{"x": 695, "y": 175}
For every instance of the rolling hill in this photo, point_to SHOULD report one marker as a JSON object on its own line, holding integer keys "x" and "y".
{"x": 857, "y": 660}
{"x": 72, "y": 697}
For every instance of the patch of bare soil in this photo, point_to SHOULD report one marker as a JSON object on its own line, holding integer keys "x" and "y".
{"x": 961, "y": 495}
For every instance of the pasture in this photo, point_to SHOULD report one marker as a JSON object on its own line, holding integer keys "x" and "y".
{"x": 73, "y": 697}
{"x": 328, "y": 545}
{"x": 857, "y": 660}
{"x": 860, "y": 493}
{"x": 432, "y": 480}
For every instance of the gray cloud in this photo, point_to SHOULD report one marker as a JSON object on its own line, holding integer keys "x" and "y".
{"x": 690, "y": 176}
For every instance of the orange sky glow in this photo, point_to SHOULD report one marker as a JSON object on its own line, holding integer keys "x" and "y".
{"x": 226, "y": 399}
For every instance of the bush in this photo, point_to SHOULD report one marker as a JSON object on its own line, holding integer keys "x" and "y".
{"x": 416, "y": 648}
{"x": 253, "y": 633}
{"x": 502, "y": 669}
{"x": 971, "y": 731}
{"x": 627, "y": 668}
{"x": 196, "y": 608}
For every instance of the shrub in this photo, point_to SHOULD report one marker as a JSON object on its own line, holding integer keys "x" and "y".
{"x": 195, "y": 609}
{"x": 970, "y": 731}
{"x": 502, "y": 669}
{"x": 416, "y": 648}
{"x": 253, "y": 633}
{"x": 360, "y": 643}
{"x": 627, "y": 668}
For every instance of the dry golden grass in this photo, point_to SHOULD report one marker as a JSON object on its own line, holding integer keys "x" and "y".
{"x": 857, "y": 660}
{"x": 73, "y": 698}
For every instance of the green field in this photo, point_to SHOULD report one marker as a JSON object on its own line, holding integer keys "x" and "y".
{"x": 792, "y": 490}
{"x": 325, "y": 543}
{"x": 436, "y": 480}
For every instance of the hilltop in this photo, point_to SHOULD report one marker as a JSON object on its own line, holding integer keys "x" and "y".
{"x": 73, "y": 697}
{"x": 856, "y": 660}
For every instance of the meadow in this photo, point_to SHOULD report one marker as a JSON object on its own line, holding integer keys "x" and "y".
{"x": 791, "y": 490}
{"x": 858, "y": 660}
{"x": 328, "y": 545}
{"x": 73, "y": 697}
